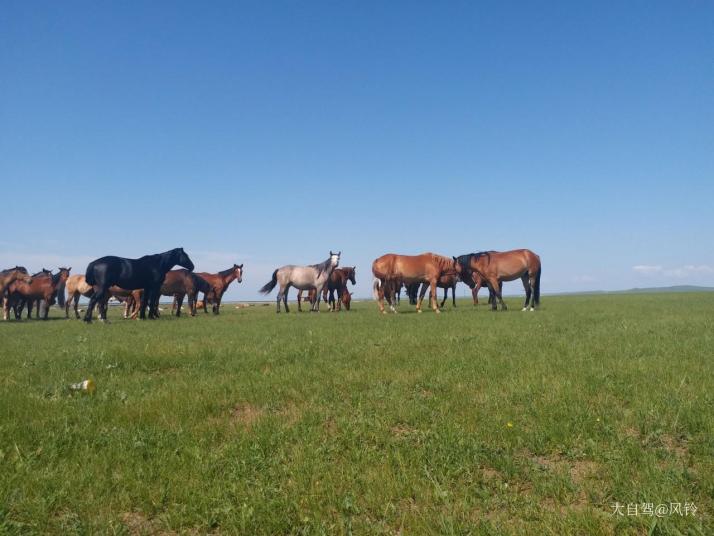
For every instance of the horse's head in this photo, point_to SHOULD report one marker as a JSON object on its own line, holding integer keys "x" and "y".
{"x": 346, "y": 299}
{"x": 64, "y": 273}
{"x": 350, "y": 273}
{"x": 238, "y": 272}
{"x": 335, "y": 258}
{"x": 459, "y": 267}
{"x": 182, "y": 259}
{"x": 22, "y": 275}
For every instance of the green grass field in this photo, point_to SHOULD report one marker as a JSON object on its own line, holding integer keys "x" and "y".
{"x": 469, "y": 422}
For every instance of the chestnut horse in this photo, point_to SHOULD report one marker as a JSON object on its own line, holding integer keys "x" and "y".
{"x": 496, "y": 267}
{"x": 43, "y": 286}
{"x": 446, "y": 281}
{"x": 130, "y": 298}
{"x": 179, "y": 283}
{"x": 391, "y": 270}
{"x": 219, "y": 284}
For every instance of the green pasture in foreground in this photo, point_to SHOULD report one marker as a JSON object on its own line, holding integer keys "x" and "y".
{"x": 468, "y": 422}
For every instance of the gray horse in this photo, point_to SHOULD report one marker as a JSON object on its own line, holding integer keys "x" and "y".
{"x": 310, "y": 277}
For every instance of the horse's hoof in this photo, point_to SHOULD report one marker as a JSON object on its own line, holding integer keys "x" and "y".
{"x": 525, "y": 309}
{"x": 532, "y": 309}
{"x": 418, "y": 310}
{"x": 437, "y": 311}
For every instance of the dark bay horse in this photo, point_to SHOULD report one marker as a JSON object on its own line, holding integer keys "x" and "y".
{"x": 496, "y": 267}
{"x": 219, "y": 283}
{"x": 179, "y": 283}
{"x": 146, "y": 273}
{"x": 391, "y": 270}
{"x": 337, "y": 283}
{"x": 313, "y": 276}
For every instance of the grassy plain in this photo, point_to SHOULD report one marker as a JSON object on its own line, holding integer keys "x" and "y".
{"x": 469, "y": 422}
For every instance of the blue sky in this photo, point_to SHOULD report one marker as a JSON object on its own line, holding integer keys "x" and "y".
{"x": 268, "y": 133}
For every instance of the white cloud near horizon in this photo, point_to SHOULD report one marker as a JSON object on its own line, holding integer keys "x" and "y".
{"x": 679, "y": 272}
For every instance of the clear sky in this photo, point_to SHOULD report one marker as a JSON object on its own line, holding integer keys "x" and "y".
{"x": 268, "y": 133}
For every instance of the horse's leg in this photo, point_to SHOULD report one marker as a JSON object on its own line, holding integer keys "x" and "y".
{"x": 285, "y": 298}
{"x": 498, "y": 294}
{"x": 316, "y": 301}
{"x": 527, "y": 288}
{"x": 144, "y": 302}
{"x": 380, "y": 296}
{"x": 532, "y": 284}
{"x": 446, "y": 295}
{"x": 420, "y": 296}
{"x": 179, "y": 302}
{"x": 299, "y": 300}
{"x": 434, "y": 301}
{"x": 453, "y": 295}
{"x": 156, "y": 294}
{"x": 47, "y": 308}
{"x": 98, "y": 293}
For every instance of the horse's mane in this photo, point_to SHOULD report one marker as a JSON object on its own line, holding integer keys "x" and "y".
{"x": 224, "y": 273}
{"x": 445, "y": 263}
{"x": 321, "y": 267}
{"x": 43, "y": 272}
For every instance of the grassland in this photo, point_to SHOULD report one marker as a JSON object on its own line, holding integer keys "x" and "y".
{"x": 469, "y": 422}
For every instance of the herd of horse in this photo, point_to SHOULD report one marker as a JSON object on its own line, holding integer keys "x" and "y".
{"x": 140, "y": 283}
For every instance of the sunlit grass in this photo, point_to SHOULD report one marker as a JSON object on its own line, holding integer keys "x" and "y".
{"x": 465, "y": 422}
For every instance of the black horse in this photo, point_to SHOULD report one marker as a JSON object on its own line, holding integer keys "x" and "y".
{"x": 146, "y": 273}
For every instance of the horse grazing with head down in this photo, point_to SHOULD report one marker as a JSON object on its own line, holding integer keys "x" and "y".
{"x": 310, "y": 277}
{"x": 392, "y": 270}
{"x": 146, "y": 273}
{"x": 337, "y": 283}
{"x": 219, "y": 284}
{"x": 495, "y": 267}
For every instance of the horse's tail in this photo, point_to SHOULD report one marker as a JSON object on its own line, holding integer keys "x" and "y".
{"x": 60, "y": 293}
{"x": 270, "y": 285}
{"x": 375, "y": 288}
{"x": 536, "y": 287}
{"x": 89, "y": 274}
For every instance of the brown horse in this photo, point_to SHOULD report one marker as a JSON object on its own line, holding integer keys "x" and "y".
{"x": 496, "y": 267}
{"x": 11, "y": 275}
{"x": 219, "y": 283}
{"x": 477, "y": 283}
{"x": 76, "y": 286}
{"x": 130, "y": 298}
{"x": 337, "y": 282}
{"x": 43, "y": 286}
{"x": 391, "y": 270}
{"x": 179, "y": 283}
{"x": 345, "y": 298}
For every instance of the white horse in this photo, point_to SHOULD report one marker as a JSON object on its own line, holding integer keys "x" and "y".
{"x": 310, "y": 277}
